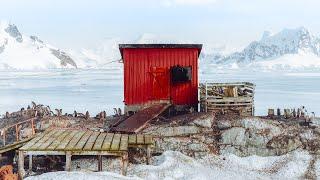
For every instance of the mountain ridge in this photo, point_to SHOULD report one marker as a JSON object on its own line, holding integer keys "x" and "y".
{"x": 285, "y": 42}
{"x": 18, "y": 51}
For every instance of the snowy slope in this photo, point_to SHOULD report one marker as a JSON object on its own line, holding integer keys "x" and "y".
{"x": 174, "y": 165}
{"x": 18, "y": 51}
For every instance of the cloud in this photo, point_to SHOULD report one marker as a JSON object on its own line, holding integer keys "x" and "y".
{"x": 188, "y": 2}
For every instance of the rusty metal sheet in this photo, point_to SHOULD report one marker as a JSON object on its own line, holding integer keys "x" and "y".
{"x": 139, "y": 120}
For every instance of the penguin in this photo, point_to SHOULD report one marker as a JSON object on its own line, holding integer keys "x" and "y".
{"x": 34, "y": 105}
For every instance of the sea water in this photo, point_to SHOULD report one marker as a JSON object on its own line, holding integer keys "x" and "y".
{"x": 96, "y": 90}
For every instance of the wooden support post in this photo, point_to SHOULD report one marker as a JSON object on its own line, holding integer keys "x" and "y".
{"x": 206, "y": 104}
{"x": 99, "y": 163}
{"x": 124, "y": 161}
{"x": 30, "y": 164}
{"x": 270, "y": 112}
{"x": 278, "y": 112}
{"x": 32, "y": 126}
{"x": 148, "y": 154}
{"x": 21, "y": 170}
{"x": 17, "y": 133}
{"x": 68, "y": 162}
{"x": 4, "y": 137}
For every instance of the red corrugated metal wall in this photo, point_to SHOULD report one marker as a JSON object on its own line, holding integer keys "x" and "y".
{"x": 138, "y": 78}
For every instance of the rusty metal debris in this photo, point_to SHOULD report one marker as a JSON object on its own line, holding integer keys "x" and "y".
{"x": 136, "y": 122}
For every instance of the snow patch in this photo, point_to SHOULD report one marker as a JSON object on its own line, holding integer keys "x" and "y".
{"x": 174, "y": 165}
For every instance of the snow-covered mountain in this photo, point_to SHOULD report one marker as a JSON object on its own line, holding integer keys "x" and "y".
{"x": 18, "y": 51}
{"x": 288, "y": 48}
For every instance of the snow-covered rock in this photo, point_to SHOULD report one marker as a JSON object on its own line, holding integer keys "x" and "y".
{"x": 18, "y": 51}
{"x": 290, "y": 48}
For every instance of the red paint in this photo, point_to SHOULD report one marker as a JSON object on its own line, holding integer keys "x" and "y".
{"x": 147, "y": 75}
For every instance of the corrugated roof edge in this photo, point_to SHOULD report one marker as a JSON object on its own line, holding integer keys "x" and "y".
{"x": 131, "y": 46}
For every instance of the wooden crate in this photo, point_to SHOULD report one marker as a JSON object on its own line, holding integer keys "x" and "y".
{"x": 227, "y": 98}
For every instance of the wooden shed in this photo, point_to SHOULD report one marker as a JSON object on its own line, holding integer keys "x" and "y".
{"x": 160, "y": 73}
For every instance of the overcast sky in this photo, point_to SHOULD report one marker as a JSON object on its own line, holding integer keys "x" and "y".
{"x": 75, "y": 24}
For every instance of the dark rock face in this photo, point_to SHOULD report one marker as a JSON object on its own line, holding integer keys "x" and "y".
{"x": 2, "y": 48}
{"x": 13, "y": 31}
{"x": 64, "y": 58}
{"x": 36, "y": 39}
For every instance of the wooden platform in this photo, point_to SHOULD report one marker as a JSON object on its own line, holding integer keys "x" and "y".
{"x": 82, "y": 142}
{"x": 137, "y": 121}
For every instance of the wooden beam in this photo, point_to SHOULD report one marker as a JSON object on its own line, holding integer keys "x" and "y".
{"x": 115, "y": 142}
{"x": 124, "y": 160}
{"x": 107, "y": 142}
{"x": 91, "y": 141}
{"x": 99, "y": 141}
{"x": 68, "y": 162}
{"x": 132, "y": 139}
{"x": 21, "y": 170}
{"x": 83, "y": 141}
{"x": 99, "y": 163}
{"x": 148, "y": 154}
{"x": 30, "y": 164}
{"x": 58, "y": 140}
{"x": 71, "y": 145}
{"x": 140, "y": 139}
{"x": 124, "y": 142}
{"x": 148, "y": 139}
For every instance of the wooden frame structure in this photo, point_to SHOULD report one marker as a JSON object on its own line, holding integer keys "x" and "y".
{"x": 70, "y": 143}
{"x": 227, "y": 98}
{"x": 16, "y": 126}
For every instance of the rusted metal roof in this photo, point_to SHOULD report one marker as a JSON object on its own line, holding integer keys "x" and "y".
{"x": 159, "y": 46}
{"x": 139, "y": 120}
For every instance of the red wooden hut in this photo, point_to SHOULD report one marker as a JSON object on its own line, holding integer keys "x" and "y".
{"x": 160, "y": 73}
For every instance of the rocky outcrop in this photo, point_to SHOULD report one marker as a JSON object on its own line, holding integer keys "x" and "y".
{"x": 192, "y": 135}
{"x": 13, "y": 31}
{"x": 264, "y": 137}
{"x": 65, "y": 59}
{"x": 198, "y": 134}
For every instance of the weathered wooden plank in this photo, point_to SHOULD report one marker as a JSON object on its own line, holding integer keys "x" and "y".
{"x": 75, "y": 140}
{"x": 34, "y": 140}
{"x": 99, "y": 141}
{"x": 139, "y": 120}
{"x": 88, "y": 146}
{"x": 148, "y": 139}
{"x": 231, "y": 99}
{"x": 58, "y": 140}
{"x": 51, "y": 139}
{"x": 42, "y": 140}
{"x": 132, "y": 139}
{"x": 83, "y": 141}
{"x": 115, "y": 142}
{"x": 66, "y": 141}
{"x": 124, "y": 142}
{"x": 107, "y": 142}
{"x": 140, "y": 139}
{"x": 15, "y": 145}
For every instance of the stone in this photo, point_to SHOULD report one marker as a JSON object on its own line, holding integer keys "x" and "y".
{"x": 205, "y": 123}
{"x": 196, "y": 147}
{"x": 234, "y": 136}
{"x": 222, "y": 125}
{"x": 175, "y": 131}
